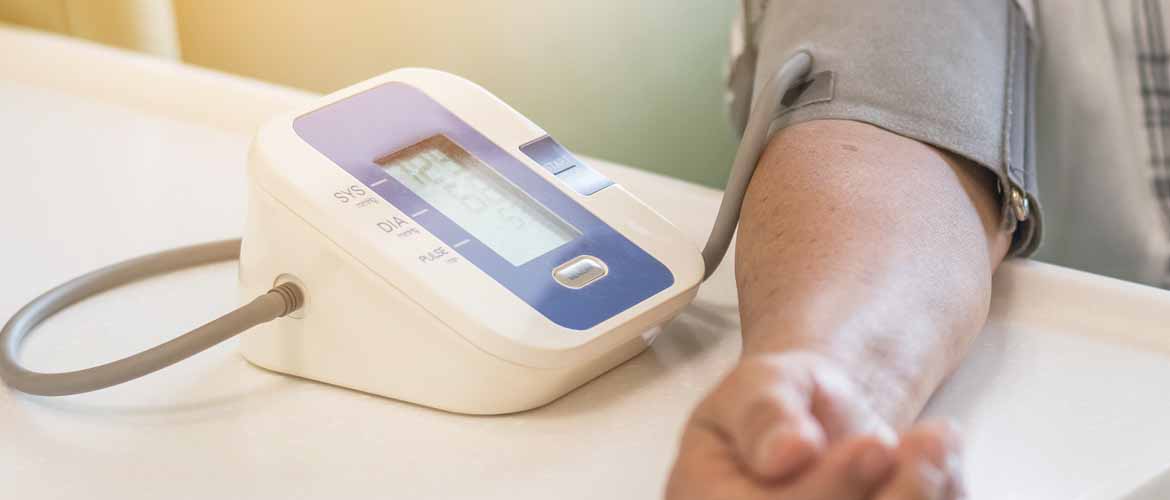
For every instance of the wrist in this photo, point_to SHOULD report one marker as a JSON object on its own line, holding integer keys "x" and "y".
{"x": 894, "y": 379}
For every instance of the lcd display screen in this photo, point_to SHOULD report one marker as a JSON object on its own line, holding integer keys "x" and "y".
{"x": 479, "y": 199}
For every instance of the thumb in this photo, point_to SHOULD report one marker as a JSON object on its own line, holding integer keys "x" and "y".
{"x": 763, "y": 408}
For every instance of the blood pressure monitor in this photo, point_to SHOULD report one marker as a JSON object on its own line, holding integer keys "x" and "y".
{"x": 452, "y": 253}
{"x": 414, "y": 237}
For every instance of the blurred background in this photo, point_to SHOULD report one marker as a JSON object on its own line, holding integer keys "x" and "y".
{"x": 638, "y": 83}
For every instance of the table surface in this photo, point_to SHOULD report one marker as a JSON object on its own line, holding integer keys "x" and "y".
{"x": 137, "y": 155}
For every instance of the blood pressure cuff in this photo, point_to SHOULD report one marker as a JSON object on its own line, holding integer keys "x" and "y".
{"x": 956, "y": 74}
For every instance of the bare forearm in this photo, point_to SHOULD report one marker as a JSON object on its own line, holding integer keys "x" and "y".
{"x": 872, "y": 249}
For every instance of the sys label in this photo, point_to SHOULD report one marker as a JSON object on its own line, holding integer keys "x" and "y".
{"x": 350, "y": 193}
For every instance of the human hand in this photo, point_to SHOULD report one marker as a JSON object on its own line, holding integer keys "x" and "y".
{"x": 795, "y": 426}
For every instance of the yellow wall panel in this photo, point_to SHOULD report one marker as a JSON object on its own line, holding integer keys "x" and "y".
{"x": 39, "y": 14}
{"x": 145, "y": 25}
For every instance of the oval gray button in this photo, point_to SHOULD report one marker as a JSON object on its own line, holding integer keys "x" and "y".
{"x": 580, "y": 271}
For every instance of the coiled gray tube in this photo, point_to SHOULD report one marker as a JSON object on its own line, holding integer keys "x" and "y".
{"x": 755, "y": 139}
{"x": 278, "y": 302}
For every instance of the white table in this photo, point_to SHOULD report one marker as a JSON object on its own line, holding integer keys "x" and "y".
{"x": 108, "y": 155}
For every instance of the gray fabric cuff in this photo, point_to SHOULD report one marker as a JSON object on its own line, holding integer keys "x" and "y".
{"x": 956, "y": 74}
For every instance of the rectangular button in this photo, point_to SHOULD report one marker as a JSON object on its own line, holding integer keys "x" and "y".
{"x": 584, "y": 180}
{"x": 550, "y": 155}
{"x": 580, "y": 271}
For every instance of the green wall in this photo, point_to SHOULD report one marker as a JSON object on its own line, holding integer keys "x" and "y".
{"x": 636, "y": 82}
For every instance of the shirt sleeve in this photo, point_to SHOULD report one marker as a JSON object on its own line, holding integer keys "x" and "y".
{"x": 955, "y": 74}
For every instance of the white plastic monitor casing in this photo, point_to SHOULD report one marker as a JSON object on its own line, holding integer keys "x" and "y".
{"x": 378, "y": 320}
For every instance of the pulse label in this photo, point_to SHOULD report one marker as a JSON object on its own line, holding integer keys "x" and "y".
{"x": 433, "y": 255}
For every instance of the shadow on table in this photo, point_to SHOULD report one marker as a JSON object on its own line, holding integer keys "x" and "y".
{"x": 697, "y": 346}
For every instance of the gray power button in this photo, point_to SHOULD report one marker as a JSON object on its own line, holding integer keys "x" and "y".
{"x": 580, "y": 271}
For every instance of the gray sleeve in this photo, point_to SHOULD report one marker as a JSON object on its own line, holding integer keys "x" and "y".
{"x": 956, "y": 74}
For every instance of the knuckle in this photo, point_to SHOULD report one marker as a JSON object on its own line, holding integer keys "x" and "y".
{"x": 754, "y": 392}
{"x": 763, "y": 409}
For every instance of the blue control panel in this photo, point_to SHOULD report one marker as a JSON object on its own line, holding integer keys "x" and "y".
{"x": 580, "y": 283}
